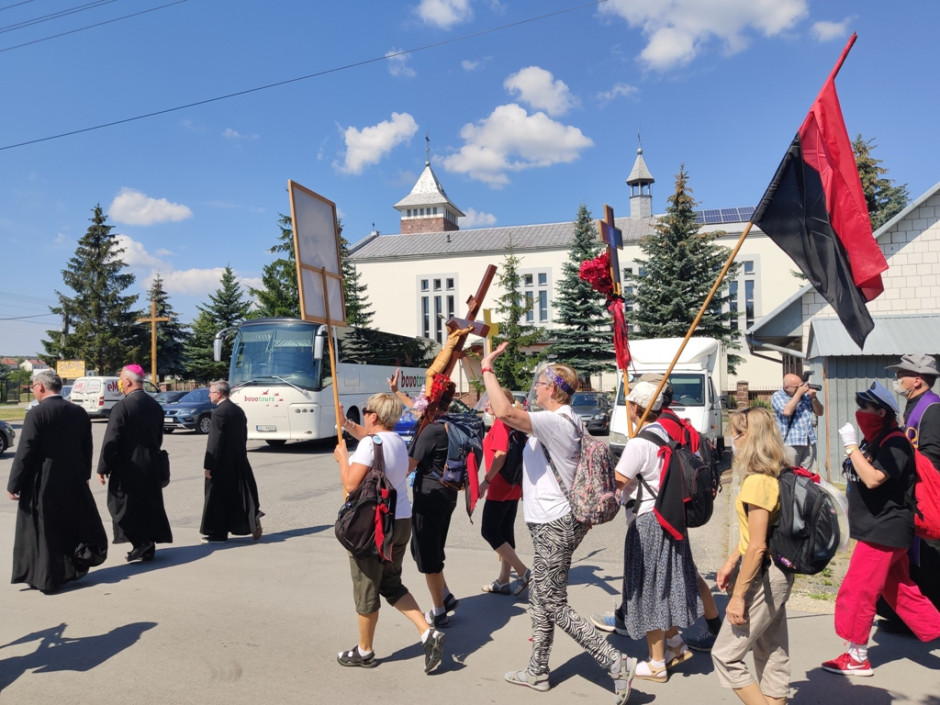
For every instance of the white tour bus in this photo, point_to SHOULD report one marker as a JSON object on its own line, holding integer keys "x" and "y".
{"x": 280, "y": 374}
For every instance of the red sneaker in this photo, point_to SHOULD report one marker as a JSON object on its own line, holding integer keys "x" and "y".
{"x": 848, "y": 666}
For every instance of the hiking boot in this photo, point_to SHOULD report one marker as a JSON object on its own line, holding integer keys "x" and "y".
{"x": 440, "y": 620}
{"x": 433, "y": 650}
{"x": 703, "y": 641}
{"x": 539, "y": 683}
{"x": 846, "y": 665}
{"x": 354, "y": 658}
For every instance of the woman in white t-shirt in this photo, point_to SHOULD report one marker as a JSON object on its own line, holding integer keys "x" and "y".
{"x": 554, "y": 530}
{"x": 372, "y": 577}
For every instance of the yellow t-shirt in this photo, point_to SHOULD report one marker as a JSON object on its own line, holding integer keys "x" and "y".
{"x": 761, "y": 491}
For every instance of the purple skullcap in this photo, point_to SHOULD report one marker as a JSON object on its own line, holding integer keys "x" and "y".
{"x": 136, "y": 369}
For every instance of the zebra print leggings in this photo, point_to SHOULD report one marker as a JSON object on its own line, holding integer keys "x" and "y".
{"x": 554, "y": 543}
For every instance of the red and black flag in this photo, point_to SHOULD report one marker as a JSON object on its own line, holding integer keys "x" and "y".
{"x": 815, "y": 210}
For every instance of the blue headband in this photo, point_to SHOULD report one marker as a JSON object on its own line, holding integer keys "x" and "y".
{"x": 558, "y": 381}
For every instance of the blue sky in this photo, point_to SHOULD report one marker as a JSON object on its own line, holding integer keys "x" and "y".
{"x": 531, "y": 107}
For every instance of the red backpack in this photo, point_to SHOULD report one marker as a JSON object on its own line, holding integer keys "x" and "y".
{"x": 926, "y": 494}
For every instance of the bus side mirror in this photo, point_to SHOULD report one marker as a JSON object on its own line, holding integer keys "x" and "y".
{"x": 217, "y": 349}
{"x": 318, "y": 347}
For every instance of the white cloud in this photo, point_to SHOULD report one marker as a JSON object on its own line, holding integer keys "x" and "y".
{"x": 470, "y": 65}
{"x": 444, "y": 13}
{"x": 230, "y": 134}
{"x": 367, "y": 146}
{"x": 827, "y": 31}
{"x": 475, "y": 218}
{"x": 135, "y": 208}
{"x": 537, "y": 87}
{"x": 135, "y": 255}
{"x": 618, "y": 90}
{"x": 512, "y": 140}
{"x": 398, "y": 63}
{"x": 678, "y": 30}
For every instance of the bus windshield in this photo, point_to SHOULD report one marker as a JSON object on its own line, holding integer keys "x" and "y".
{"x": 274, "y": 352}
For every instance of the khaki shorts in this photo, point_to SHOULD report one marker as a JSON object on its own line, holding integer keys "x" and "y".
{"x": 373, "y": 578}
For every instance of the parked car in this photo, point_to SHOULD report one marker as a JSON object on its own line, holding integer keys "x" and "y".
{"x": 594, "y": 409}
{"x": 170, "y": 397}
{"x": 521, "y": 399}
{"x": 408, "y": 423}
{"x": 66, "y": 393}
{"x": 7, "y": 436}
{"x": 98, "y": 395}
{"x": 192, "y": 412}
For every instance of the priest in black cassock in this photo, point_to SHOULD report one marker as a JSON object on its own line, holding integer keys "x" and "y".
{"x": 130, "y": 455}
{"x": 59, "y": 534}
{"x": 231, "y": 502}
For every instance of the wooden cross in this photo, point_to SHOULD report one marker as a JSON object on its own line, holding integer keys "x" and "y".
{"x": 493, "y": 330}
{"x": 153, "y": 320}
{"x": 613, "y": 237}
{"x": 474, "y": 303}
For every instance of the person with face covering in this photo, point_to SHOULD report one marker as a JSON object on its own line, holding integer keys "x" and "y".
{"x": 880, "y": 477}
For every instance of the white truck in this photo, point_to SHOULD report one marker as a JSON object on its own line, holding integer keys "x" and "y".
{"x": 698, "y": 380}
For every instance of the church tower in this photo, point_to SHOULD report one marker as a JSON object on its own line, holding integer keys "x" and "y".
{"x": 640, "y": 181}
{"x": 427, "y": 209}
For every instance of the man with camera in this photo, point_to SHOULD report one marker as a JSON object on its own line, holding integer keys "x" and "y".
{"x": 796, "y": 408}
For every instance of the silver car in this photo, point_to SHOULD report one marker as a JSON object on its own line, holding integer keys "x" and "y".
{"x": 7, "y": 436}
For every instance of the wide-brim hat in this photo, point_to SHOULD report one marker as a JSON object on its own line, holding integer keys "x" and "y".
{"x": 918, "y": 364}
{"x": 879, "y": 395}
{"x": 642, "y": 395}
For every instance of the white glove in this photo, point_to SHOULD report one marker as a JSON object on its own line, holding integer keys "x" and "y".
{"x": 848, "y": 435}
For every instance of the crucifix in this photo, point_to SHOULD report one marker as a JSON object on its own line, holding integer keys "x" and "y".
{"x": 493, "y": 331}
{"x": 153, "y": 320}
{"x": 612, "y": 236}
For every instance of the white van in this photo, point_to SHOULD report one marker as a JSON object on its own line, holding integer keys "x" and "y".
{"x": 98, "y": 395}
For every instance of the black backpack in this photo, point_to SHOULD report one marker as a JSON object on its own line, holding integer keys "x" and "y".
{"x": 366, "y": 521}
{"x": 685, "y": 497}
{"x": 806, "y": 535}
{"x": 464, "y": 439}
{"x": 512, "y": 466}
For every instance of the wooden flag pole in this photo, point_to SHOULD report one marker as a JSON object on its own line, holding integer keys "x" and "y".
{"x": 708, "y": 300}
{"x": 329, "y": 343}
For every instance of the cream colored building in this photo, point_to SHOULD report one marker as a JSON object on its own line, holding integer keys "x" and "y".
{"x": 420, "y": 278}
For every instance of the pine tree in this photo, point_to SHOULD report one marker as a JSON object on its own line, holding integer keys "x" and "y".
{"x": 279, "y": 295}
{"x": 884, "y": 199}
{"x": 227, "y": 307}
{"x": 172, "y": 336}
{"x": 100, "y": 321}
{"x": 680, "y": 269}
{"x": 583, "y": 338}
{"x": 514, "y": 368}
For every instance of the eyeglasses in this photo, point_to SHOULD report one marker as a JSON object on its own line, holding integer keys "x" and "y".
{"x": 542, "y": 383}
{"x": 369, "y": 411}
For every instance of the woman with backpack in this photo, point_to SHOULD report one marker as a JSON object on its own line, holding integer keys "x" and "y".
{"x": 554, "y": 432}
{"x": 372, "y": 577}
{"x": 502, "y": 503}
{"x": 756, "y": 616}
{"x": 660, "y": 589}
{"x": 880, "y": 477}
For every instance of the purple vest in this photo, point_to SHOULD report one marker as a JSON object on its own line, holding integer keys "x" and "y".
{"x": 912, "y": 425}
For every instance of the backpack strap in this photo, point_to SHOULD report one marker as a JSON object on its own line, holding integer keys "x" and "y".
{"x": 659, "y": 442}
{"x": 564, "y": 488}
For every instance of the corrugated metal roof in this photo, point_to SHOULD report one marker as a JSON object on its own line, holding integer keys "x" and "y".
{"x": 892, "y": 335}
{"x": 456, "y": 243}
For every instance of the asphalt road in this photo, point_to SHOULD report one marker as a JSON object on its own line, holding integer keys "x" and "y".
{"x": 247, "y": 623}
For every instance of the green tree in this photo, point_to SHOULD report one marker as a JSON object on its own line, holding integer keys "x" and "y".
{"x": 514, "y": 369}
{"x": 227, "y": 307}
{"x": 884, "y": 199}
{"x": 583, "y": 338}
{"x": 279, "y": 294}
{"x": 674, "y": 279}
{"x": 100, "y": 320}
{"x": 172, "y": 336}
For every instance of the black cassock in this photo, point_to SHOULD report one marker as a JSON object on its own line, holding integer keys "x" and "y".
{"x": 130, "y": 455}
{"x": 59, "y": 534}
{"x": 231, "y": 503}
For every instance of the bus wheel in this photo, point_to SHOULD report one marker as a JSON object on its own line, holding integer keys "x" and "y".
{"x": 352, "y": 415}
{"x": 275, "y": 441}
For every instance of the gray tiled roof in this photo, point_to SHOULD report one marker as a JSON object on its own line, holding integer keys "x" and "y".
{"x": 540, "y": 236}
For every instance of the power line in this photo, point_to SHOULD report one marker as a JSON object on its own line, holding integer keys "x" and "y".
{"x": 16, "y": 4}
{"x": 91, "y": 26}
{"x": 325, "y": 72}
{"x": 55, "y": 15}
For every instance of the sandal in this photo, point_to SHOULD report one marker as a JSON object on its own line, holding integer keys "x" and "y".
{"x": 497, "y": 587}
{"x": 677, "y": 654}
{"x": 539, "y": 683}
{"x": 353, "y": 658}
{"x": 623, "y": 679}
{"x": 646, "y": 672}
{"x": 523, "y": 582}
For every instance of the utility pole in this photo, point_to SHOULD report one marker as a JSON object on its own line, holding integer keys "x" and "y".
{"x": 153, "y": 320}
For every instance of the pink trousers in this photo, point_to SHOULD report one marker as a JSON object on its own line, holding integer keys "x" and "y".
{"x": 882, "y": 571}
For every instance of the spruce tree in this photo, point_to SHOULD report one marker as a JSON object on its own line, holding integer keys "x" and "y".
{"x": 172, "y": 335}
{"x": 884, "y": 199}
{"x": 100, "y": 320}
{"x": 227, "y": 307}
{"x": 279, "y": 295}
{"x": 583, "y": 338}
{"x": 674, "y": 279}
{"x": 514, "y": 368}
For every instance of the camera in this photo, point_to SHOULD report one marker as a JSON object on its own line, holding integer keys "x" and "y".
{"x": 805, "y": 379}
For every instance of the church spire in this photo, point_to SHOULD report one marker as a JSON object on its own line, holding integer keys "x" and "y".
{"x": 640, "y": 182}
{"x": 427, "y": 209}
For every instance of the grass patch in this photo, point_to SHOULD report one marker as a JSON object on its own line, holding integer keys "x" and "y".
{"x": 11, "y": 412}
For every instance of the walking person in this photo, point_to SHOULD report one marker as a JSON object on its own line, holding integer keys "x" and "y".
{"x": 555, "y": 433}
{"x": 756, "y": 616}
{"x": 373, "y": 578}
{"x": 499, "y": 511}
{"x": 58, "y": 534}
{"x": 880, "y": 477}
{"x": 130, "y": 461}
{"x": 231, "y": 494}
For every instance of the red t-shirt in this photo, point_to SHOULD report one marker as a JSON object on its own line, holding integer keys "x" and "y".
{"x": 498, "y": 439}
